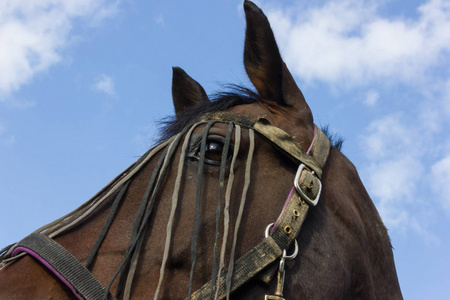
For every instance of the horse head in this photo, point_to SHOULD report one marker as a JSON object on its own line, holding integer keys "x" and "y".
{"x": 217, "y": 208}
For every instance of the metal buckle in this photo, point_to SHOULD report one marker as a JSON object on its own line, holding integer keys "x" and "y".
{"x": 299, "y": 190}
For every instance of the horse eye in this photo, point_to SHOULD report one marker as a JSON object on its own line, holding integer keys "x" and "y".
{"x": 213, "y": 151}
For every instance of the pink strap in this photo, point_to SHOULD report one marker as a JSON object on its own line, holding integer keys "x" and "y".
{"x": 313, "y": 141}
{"x": 293, "y": 188}
{"x": 48, "y": 266}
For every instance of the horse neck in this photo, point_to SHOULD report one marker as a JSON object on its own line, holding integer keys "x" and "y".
{"x": 354, "y": 220}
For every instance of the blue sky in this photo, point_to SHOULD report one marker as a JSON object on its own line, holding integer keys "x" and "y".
{"x": 83, "y": 84}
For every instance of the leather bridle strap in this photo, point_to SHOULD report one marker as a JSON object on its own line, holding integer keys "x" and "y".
{"x": 64, "y": 265}
{"x": 290, "y": 221}
{"x": 262, "y": 255}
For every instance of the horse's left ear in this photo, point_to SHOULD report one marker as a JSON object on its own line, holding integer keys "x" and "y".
{"x": 186, "y": 92}
{"x": 264, "y": 65}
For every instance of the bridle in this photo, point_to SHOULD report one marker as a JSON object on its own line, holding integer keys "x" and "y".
{"x": 280, "y": 235}
{"x": 305, "y": 193}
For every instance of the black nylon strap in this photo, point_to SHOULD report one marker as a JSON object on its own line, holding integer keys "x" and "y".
{"x": 109, "y": 220}
{"x": 198, "y": 198}
{"x": 247, "y": 266}
{"x": 145, "y": 210}
{"x": 223, "y": 165}
{"x": 266, "y": 252}
{"x": 85, "y": 284}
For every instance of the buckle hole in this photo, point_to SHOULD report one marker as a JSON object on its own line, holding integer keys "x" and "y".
{"x": 288, "y": 229}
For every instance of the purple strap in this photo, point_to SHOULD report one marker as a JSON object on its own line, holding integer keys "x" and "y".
{"x": 313, "y": 141}
{"x": 67, "y": 268}
{"x": 293, "y": 188}
{"x": 48, "y": 266}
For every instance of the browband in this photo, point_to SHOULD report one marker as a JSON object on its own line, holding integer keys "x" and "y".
{"x": 315, "y": 160}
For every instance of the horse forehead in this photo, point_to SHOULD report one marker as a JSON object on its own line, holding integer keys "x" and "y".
{"x": 277, "y": 116}
{"x": 282, "y": 117}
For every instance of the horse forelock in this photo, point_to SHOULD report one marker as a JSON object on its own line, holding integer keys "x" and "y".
{"x": 236, "y": 95}
{"x": 221, "y": 101}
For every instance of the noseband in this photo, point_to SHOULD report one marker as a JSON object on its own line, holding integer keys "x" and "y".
{"x": 281, "y": 235}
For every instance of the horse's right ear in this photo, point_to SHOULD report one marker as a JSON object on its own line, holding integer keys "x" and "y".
{"x": 186, "y": 92}
{"x": 265, "y": 67}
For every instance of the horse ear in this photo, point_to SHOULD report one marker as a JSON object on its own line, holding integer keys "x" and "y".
{"x": 186, "y": 92}
{"x": 264, "y": 65}
{"x": 262, "y": 58}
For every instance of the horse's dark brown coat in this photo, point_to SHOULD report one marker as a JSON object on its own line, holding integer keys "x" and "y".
{"x": 345, "y": 252}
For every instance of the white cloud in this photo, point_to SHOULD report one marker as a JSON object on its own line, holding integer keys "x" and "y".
{"x": 435, "y": 106}
{"x": 395, "y": 179}
{"x": 5, "y": 139}
{"x": 349, "y": 43}
{"x": 441, "y": 181}
{"x": 105, "y": 85}
{"x": 402, "y": 172}
{"x": 389, "y": 136}
{"x": 371, "y": 98}
{"x": 446, "y": 97}
{"x": 33, "y": 33}
{"x": 394, "y": 169}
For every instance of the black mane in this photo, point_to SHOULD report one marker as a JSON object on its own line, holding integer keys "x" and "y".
{"x": 336, "y": 139}
{"x": 236, "y": 95}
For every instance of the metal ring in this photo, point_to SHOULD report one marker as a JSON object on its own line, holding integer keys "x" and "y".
{"x": 288, "y": 257}
{"x": 266, "y": 233}
{"x": 282, "y": 262}
{"x": 293, "y": 255}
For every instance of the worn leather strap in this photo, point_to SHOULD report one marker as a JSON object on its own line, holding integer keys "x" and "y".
{"x": 64, "y": 265}
{"x": 265, "y": 253}
{"x": 315, "y": 160}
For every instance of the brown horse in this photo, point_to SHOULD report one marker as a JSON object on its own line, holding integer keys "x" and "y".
{"x": 186, "y": 217}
